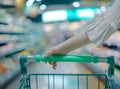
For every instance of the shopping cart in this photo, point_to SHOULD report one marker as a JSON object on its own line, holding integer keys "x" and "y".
{"x": 66, "y": 81}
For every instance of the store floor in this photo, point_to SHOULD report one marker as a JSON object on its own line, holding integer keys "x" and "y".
{"x": 69, "y": 82}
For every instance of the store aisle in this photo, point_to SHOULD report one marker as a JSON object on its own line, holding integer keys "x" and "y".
{"x": 70, "y": 68}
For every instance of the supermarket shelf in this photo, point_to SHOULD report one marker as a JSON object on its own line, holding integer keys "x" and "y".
{"x": 114, "y": 48}
{"x": 4, "y": 6}
{"x": 104, "y": 51}
{"x": 97, "y": 69}
{"x": 12, "y": 52}
{"x": 13, "y": 33}
{"x": 3, "y": 23}
{"x": 8, "y": 77}
{"x": 12, "y": 74}
{"x": 5, "y": 79}
{"x": 3, "y": 43}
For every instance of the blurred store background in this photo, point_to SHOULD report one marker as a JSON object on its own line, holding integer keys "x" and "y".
{"x": 32, "y": 26}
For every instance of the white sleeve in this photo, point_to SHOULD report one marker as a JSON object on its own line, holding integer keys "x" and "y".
{"x": 99, "y": 31}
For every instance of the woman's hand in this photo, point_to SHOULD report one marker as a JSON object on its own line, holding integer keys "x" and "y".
{"x": 54, "y": 50}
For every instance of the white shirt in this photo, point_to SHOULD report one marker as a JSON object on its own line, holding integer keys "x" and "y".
{"x": 99, "y": 31}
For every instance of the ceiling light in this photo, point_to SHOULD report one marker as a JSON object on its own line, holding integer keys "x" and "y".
{"x": 43, "y": 7}
{"x": 103, "y": 8}
{"x": 86, "y": 13}
{"x": 50, "y": 16}
{"x": 38, "y": 0}
{"x": 76, "y": 4}
{"x": 29, "y": 3}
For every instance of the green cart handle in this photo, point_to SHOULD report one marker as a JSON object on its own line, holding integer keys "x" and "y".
{"x": 66, "y": 58}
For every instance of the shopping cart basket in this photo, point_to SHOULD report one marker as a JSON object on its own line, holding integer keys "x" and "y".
{"x": 66, "y": 81}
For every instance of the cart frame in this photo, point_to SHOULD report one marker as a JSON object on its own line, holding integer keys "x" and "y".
{"x": 108, "y": 78}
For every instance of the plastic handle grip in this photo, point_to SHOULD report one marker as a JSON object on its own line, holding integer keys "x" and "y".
{"x": 66, "y": 58}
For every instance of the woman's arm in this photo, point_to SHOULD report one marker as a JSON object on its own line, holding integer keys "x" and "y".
{"x": 76, "y": 41}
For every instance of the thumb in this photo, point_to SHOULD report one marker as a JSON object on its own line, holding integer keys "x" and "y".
{"x": 49, "y": 52}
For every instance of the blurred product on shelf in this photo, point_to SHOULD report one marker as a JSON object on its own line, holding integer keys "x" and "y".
{"x": 20, "y": 4}
{"x": 3, "y": 69}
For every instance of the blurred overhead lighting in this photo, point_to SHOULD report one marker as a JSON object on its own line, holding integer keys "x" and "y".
{"x": 29, "y": 3}
{"x": 38, "y": 0}
{"x": 99, "y": 12}
{"x": 103, "y": 8}
{"x": 86, "y": 13}
{"x": 76, "y": 4}
{"x": 49, "y": 16}
{"x": 43, "y": 7}
{"x": 49, "y": 27}
{"x": 69, "y": 15}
